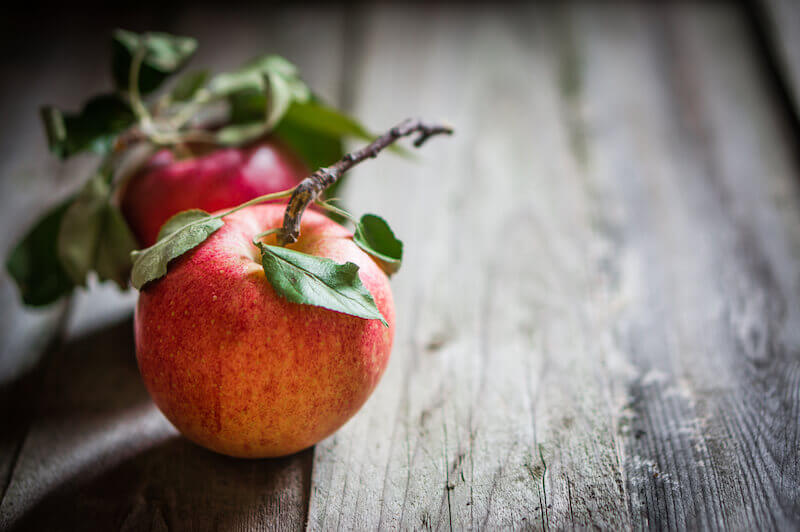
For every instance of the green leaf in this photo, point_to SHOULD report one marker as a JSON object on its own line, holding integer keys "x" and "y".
{"x": 259, "y": 92}
{"x": 314, "y": 116}
{"x": 165, "y": 54}
{"x": 251, "y": 76}
{"x": 316, "y": 133}
{"x": 184, "y": 231}
{"x": 113, "y": 256}
{"x": 80, "y": 230}
{"x": 273, "y": 63}
{"x": 279, "y": 97}
{"x": 247, "y": 106}
{"x": 318, "y": 281}
{"x": 188, "y": 85}
{"x": 92, "y": 129}
{"x": 267, "y": 95}
{"x": 34, "y": 264}
{"x": 374, "y": 236}
{"x": 94, "y": 236}
{"x": 315, "y": 148}
{"x": 179, "y": 220}
{"x": 240, "y": 134}
{"x": 243, "y": 79}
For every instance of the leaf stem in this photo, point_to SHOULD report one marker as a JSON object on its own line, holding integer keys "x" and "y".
{"x": 260, "y": 199}
{"x": 133, "y": 84}
{"x": 259, "y": 236}
{"x": 188, "y": 111}
{"x": 341, "y": 212}
{"x": 177, "y": 137}
{"x": 310, "y": 188}
{"x": 148, "y": 126}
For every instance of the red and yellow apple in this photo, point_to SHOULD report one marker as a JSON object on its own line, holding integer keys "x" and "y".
{"x": 218, "y": 180}
{"x": 239, "y": 369}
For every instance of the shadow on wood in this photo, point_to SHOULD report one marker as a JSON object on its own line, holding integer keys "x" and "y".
{"x": 180, "y": 486}
{"x": 99, "y": 455}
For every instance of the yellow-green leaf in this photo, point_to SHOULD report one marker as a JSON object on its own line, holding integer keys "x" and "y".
{"x": 181, "y": 233}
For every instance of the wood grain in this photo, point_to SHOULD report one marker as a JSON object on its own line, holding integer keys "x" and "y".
{"x": 712, "y": 235}
{"x": 98, "y": 454}
{"x": 598, "y": 314}
{"x": 782, "y": 21}
{"x": 495, "y": 410}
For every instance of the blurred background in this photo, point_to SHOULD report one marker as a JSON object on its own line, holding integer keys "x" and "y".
{"x": 598, "y": 312}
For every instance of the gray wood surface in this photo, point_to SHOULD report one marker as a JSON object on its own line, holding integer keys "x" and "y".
{"x": 783, "y": 20}
{"x": 598, "y": 313}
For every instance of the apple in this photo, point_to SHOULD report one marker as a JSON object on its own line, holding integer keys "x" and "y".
{"x": 218, "y": 180}
{"x": 239, "y": 369}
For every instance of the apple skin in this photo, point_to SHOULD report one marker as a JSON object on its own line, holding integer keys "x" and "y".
{"x": 239, "y": 369}
{"x": 214, "y": 181}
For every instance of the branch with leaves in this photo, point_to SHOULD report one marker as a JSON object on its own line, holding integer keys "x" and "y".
{"x": 188, "y": 229}
{"x": 299, "y": 277}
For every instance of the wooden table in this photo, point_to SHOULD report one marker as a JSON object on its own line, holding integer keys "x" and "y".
{"x": 598, "y": 315}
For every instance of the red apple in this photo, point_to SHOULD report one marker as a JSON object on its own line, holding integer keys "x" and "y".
{"x": 219, "y": 180}
{"x": 239, "y": 369}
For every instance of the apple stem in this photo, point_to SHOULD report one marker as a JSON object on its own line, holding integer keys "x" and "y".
{"x": 310, "y": 188}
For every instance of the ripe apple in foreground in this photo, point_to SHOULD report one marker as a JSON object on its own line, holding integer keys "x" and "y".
{"x": 218, "y": 180}
{"x": 239, "y": 369}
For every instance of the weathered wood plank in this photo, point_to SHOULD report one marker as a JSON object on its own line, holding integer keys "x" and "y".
{"x": 693, "y": 161}
{"x": 598, "y": 314}
{"x": 495, "y": 409}
{"x": 99, "y": 455}
{"x": 782, "y": 18}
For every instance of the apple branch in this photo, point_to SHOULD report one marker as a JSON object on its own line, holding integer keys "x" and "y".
{"x": 310, "y": 188}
